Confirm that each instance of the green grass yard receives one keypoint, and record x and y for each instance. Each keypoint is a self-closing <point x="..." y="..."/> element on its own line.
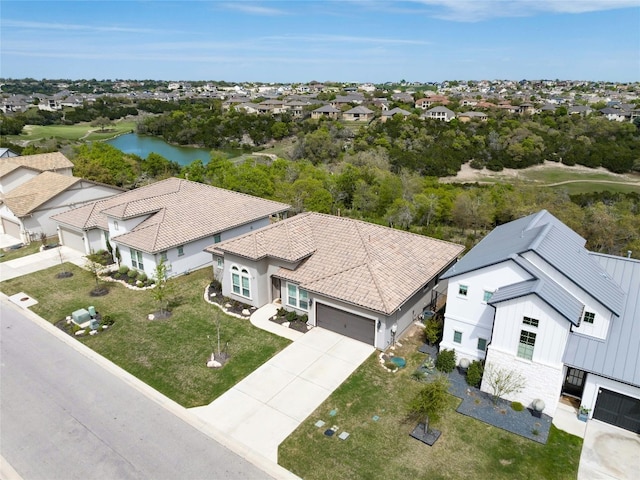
<point x="383" y="449"/>
<point x="169" y="355"/>
<point x="72" y="132"/>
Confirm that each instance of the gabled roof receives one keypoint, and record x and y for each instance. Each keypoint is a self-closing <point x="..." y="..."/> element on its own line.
<point x="372" y="266"/>
<point x="394" y="111"/>
<point x="619" y="356"/>
<point x="359" y="109"/>
<point x="327" y="109"/>
<point x="40" y="162"/>
<point x="178" y="212"/>
<point x="26" y="198"/>
<point x="553" y="241"/>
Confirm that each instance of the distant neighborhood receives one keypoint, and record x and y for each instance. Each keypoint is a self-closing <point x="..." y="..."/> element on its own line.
<point x="465" y="100"/>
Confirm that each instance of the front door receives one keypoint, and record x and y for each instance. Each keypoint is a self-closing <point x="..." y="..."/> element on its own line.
<point x="574" y="382"/>
<point x="275" y="289"/>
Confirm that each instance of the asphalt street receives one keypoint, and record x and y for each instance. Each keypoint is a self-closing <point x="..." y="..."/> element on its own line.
<point x="64" y="416"/>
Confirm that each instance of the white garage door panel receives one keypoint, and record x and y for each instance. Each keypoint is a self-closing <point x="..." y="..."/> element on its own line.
<point x="11" y="228"/>
<point x="72" y="239"/>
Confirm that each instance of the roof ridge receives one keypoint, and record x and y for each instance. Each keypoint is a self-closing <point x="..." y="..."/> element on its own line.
<point x="368" y="264"/>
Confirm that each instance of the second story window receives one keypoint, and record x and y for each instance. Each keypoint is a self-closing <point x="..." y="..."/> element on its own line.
<point x="588" y="317"/>
<point x="530" y="321"/>
<point x="463" y="290"/>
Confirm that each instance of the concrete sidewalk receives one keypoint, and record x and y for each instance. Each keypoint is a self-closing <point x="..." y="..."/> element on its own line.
<point x="40" y="261"/>
<point x="262" y="410"/>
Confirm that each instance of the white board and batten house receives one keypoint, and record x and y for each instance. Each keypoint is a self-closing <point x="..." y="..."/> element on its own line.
<point x="361" y="280"/>
<point x="172" y="220"/>
<point x="531" y="298"/>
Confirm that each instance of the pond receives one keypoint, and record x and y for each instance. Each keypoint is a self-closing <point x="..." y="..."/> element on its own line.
<point x="142" y="146"/>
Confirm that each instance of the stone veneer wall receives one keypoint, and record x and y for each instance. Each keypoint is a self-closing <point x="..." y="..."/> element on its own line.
<point x="541" y="381"/>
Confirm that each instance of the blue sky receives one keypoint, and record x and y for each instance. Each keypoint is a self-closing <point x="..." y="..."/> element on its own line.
<point x="304" y="40"/>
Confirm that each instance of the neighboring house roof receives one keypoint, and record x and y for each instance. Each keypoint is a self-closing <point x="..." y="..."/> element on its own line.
<point x="619" y="356"/>
<point x="394" y="111"/>
<point x="26" y="198"/>
<point x="327" y="109"/>
<point x="374" y="267"/>
<point x="556" y="243"/>
<point x="359" y="110"/>
<point x="41" y="162"/>
<point x="179" y="212"/>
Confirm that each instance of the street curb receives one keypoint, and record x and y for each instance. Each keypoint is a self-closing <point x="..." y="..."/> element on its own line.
<point x="268" y="466"/>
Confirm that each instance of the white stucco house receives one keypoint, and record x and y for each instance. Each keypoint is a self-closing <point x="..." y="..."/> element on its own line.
<point x="173" y="220"/>
<point x="27" y="209"/>
<point x="530" y="298"/>
<point x="361" y="280"/>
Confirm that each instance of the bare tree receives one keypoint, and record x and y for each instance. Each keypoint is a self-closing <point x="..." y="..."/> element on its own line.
<point x="502" y="381"/>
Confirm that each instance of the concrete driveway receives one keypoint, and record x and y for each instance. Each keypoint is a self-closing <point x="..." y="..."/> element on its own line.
<point x="609" y="453"/>
<point x="262" y="410"/>
<point x="39" y="261"/>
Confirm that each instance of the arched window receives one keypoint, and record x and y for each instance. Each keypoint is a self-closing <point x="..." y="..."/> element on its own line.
<point x="240" y="281"/>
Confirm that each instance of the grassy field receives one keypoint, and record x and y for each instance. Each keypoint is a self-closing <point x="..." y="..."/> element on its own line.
<point x="383" y="449"/>
<point x="169" y="355"/>
<point x="71" y="132"/>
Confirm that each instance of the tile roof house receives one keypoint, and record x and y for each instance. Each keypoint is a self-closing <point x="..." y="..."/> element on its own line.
<point x="326" y="111"/>
<point x="27" y="209"/>
<point x="173" y="220"/>
<point x="358" y="114"/>
<point x="387" y="114"/>
<point x="440" y="113"/>
<point x="530" y="298"/>
<point x="362" y="280"/>
<point x="15" y="170"/>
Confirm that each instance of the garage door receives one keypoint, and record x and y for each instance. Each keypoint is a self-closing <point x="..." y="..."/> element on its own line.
<point x="72" y="239"/>
<point x="345" y="323"/>
<point x="617" y="409"/>
<point x="11" y="228"/>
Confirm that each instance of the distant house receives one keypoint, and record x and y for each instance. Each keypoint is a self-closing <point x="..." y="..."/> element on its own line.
<point x="387" y="114"/>
<point x="579" y="110"/>
<point x="468" y="116"/>
<point x="428" y="102"/>
<point x="358" y="114"/>
<point x="530" y="298"/>
<point x="616" y="114"/>
<point x="348" y="276"/>
<point x="172" y="220"/>
<point x="326" y="111"/>
<point x="442" y="114"/>
<point x="350" y="99"/>
<point x="27" y="209"/>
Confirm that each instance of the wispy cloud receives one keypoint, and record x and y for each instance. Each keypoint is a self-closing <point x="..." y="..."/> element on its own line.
<point x="253" y="9"/>
<point x="478" y="10"/>
<point x="6" y="23"/>
<point x="314" y="38"/>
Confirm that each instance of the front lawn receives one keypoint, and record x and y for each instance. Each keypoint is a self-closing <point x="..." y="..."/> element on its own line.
<point x="170" y="355"/>
<point x="383" y="449"/>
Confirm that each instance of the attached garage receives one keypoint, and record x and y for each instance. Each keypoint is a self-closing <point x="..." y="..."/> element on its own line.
<point x="11" y="228"/>
<point x="618" y="409"/>
<point x="72" y="239"/>
<point x="346" y="323"/>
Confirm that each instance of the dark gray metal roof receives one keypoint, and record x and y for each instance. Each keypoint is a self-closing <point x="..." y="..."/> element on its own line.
<point x="546" y="289"/>
<point x="618" y="357"/>
<point x="553" y="241"/>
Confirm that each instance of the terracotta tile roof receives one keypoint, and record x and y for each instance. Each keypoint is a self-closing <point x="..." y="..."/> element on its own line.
<point x="369" y="265"/>
<point x="25" y="198"/>
<point x="41" y="162"/>
<point x="179" y="212"/>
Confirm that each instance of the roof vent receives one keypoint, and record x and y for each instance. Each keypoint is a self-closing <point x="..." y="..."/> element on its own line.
<point x="629" y="253"/>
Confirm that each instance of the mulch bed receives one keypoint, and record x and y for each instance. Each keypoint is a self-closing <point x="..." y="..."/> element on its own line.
<point x="297" y="325"/>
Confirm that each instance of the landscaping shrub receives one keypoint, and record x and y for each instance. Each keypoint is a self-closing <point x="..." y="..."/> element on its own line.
<point x="102" y="257"/>
<point x="474" y="373"/>
<point x="215" y="285"/>
<point x="433" y="330"/>
<point x="123" y="270"/>
<point x="292" y="316"/>
<point x="142" y="277"/>
<point x="446" y="361"/>
<point x="304" y="318"/>
<point x="108" y="320"/>
<point x="517" y="406"/>
<point x="132" y="274"/>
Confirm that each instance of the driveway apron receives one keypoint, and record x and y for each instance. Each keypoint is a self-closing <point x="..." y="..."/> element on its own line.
<point x="39" y="261"/>
<point x="262" y="410"/>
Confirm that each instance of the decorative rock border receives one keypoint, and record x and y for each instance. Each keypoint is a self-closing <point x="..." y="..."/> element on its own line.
<point x="221" y="307"/>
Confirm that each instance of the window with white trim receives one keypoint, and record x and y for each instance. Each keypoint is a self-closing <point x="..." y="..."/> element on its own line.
<point x="216" y="238"/>
<point x="463" y="290"/>
<point x="220" y="262"/>
<point x="115" y="225"/>
<point x="588" y="317"/>
<point x="241" y="281"/>
<point x="482" y="344"/>
<point x="530" y="321"/>
<point x="163" y="256"/>
<point x="297" y="297"/>
<point x="181" y="250"/>
<point x="487" y="296"/>
<point x="457" y="336"/>
<point x="136" y="259"/>
<point x="526" y="344"/>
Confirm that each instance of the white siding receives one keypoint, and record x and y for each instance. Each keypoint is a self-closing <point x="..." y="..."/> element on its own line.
<point x="601" y="325"/>
<point x="470" y="315"/>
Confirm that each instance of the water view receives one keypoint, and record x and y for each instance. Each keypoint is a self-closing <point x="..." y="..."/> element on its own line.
<point x="142" y="146"/>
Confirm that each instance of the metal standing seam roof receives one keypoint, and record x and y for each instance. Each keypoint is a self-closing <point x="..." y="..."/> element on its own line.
<point x="178" y="212"/>
<point x="553" y="241"/>
<point x="618" y="357"/>
<point x="372" y="266"/>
